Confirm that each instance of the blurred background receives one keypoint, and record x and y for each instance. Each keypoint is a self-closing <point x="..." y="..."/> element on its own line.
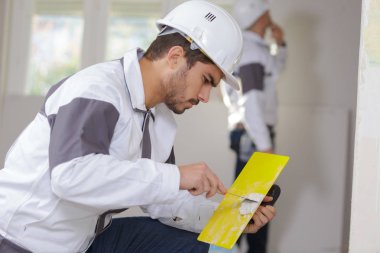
<point x="42" y="41"/>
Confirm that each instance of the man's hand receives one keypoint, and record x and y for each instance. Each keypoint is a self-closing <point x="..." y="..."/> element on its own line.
<point x="277" y="34"/>
<point x="262" y="216"/>
<point x="198" y="178"/>
<point x="269" y="151"/>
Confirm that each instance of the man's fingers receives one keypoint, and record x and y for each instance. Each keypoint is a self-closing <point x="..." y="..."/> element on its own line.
<point x="196" y="191"/>
<point x="221" y="188"/>
<point x="198" y="179"/>
<point x="269" y="211"/>
<point x="212" y="180"/>
<point x="255" y="226"/>
<point x="262" y="216"/>
<point x="207" y="186"/>
<point x="251" y="229"/>
<point x="215" y="182"/>
<point x="213" y="188"/>
<point x="268" y="199"/>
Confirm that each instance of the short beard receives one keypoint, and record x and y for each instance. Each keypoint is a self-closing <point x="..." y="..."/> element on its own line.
<point x="174" y="87"/>
<point x="175" y="110"/>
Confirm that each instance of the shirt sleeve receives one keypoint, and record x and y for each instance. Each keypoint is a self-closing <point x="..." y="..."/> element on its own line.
<point x="79" y="128"/>
<point x="187" y="212"/>
<point x="253" y="102"/>
<point x="280" y="59"/>
<point x="83" y="171"/>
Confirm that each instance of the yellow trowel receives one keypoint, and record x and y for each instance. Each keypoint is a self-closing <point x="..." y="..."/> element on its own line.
<point x="227" y="223"/>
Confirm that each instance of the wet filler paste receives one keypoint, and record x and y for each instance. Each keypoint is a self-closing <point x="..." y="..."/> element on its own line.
<point x="250" y="204"/>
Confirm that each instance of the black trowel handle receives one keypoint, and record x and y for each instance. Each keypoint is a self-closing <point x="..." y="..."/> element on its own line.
<point x="273" y="192"/>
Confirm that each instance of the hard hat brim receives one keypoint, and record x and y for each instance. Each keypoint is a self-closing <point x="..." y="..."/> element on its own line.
<point x="230" y="80"/>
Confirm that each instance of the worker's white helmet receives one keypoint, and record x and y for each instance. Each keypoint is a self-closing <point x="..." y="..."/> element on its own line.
<point x="246" y="12"/>
<point x="213" y="30"/>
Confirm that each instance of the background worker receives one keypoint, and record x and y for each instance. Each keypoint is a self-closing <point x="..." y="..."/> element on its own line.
<point x="253" y="111"/>
<point x="103" y="142"/>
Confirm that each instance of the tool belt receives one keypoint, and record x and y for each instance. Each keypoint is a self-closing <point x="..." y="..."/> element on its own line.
<point x="6" y="246"/>
<point x="235" y="136"/>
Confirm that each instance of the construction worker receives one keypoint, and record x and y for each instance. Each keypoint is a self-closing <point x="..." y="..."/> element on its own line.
<point x="253" y="110"/>
<point x="103" y="142"/>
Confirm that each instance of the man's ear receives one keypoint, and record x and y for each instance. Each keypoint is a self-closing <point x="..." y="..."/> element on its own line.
<point x="174" y="56"/>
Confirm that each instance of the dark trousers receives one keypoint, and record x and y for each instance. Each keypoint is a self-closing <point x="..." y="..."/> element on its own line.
<point x="145" y="235"/>
<point x="7" y="246"/>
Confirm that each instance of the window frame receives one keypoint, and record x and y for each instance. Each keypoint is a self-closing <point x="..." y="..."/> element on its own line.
<point x="15" y="26"/>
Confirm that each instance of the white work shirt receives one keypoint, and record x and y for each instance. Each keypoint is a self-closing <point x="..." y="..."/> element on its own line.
<point x="81" y="156"/>
<point x="256" y="105"/>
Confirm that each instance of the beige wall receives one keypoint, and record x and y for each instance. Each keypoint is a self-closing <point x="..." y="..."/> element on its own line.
<point x="317" y="96"/>
<point x="4" y="23"/>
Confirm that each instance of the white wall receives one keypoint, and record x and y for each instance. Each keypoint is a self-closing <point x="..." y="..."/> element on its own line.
<point x="322" y="72"/>
<point x="317" y="98"/>
<point x="311" y="209"/>
<point x="365" y="219"/>
<point x="18" y="112"/>
<point x="19" y="31"/>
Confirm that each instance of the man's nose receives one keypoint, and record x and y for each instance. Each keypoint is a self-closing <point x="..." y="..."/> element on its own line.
<point x="204" y="94"/>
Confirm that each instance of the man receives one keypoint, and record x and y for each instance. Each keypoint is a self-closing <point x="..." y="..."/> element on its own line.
<point x="103" y="142"/>
<point x="253" y="112"/>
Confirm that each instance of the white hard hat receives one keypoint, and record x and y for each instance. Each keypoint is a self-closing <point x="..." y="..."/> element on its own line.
<point x="246" y="12"/>
<point x="213" y="30"/>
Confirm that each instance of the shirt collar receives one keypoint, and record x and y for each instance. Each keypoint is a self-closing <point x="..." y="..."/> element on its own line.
<point x="133" y="77"/>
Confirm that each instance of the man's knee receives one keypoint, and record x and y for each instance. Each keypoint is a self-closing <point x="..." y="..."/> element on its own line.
<point x="147" y="235"/>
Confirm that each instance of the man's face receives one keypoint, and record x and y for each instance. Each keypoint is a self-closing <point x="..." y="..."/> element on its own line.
<point x="187" y="87"/>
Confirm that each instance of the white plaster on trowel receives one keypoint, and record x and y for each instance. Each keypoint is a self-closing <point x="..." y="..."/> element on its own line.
<point x="248" y="206"/>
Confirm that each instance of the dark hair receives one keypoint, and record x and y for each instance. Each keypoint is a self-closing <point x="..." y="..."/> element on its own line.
<point x="162" y="44"/>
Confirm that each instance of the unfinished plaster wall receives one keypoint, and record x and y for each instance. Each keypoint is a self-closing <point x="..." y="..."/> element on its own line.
<point x="365" y="219"/>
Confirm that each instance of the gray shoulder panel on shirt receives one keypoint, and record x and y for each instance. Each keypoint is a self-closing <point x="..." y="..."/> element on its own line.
<point x="82" y="127"/>
<point x="252" y="77"/>
<point x="50" y="92"/>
